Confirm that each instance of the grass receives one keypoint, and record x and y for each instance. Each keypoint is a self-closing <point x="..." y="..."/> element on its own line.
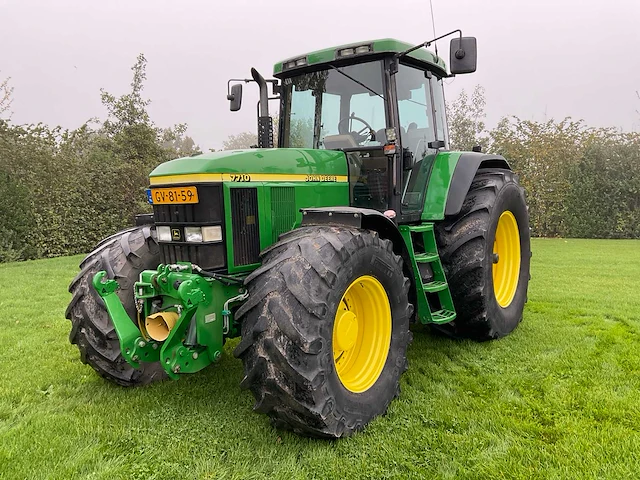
<point x="559" y="398"/>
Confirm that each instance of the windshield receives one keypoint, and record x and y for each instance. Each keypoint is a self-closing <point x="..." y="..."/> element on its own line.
<point x="335" y="108"/>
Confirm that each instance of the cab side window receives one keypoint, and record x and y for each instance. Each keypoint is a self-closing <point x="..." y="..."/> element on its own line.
<point x="415" y="111"/>
<point x="439" y="110"/>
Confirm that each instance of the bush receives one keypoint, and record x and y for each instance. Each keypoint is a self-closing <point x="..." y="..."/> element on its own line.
<point x="62" y="191"/>
<point x="603" y="200"/>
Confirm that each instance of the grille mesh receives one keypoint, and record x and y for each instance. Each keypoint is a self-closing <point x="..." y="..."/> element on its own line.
<point x="283" y="210"/>
<point x="244" y="219"/>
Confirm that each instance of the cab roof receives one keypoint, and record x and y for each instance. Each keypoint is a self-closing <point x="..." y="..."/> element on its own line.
<point x="385" y="45"/>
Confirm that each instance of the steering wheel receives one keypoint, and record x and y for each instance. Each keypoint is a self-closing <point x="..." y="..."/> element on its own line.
<point x="360" y="138"/>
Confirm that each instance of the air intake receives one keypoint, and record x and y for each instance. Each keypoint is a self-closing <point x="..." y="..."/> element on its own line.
<point x="244" y="223"/>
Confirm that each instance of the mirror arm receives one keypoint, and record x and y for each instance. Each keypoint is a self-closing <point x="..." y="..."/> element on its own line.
<point x="274" y="83"/>
<point x="245" y="80"/>
<point x="426" y="44"/>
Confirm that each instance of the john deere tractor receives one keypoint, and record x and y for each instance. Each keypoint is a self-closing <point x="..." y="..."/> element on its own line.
<point x="321" y="253"/>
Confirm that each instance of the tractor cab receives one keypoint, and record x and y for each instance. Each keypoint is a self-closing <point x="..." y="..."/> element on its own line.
<point x="381" y="103"/>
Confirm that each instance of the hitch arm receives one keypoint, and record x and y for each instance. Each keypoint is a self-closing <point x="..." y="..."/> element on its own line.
<point x="132" y="345"/>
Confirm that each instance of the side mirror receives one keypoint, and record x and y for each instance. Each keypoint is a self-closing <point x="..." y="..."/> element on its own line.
<point x="235" y="97"/>
<point x="463" y="55"/>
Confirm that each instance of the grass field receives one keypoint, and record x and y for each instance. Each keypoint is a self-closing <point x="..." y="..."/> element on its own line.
<point x="559" y="398"/>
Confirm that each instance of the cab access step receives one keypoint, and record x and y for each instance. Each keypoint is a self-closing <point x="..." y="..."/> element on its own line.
<point x="435" y="304"/>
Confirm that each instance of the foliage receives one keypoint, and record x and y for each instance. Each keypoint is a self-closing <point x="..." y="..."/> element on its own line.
<point x="6" y="92"/>
<point x="603" y="199"/>
<point x="556" y="399"/>
<point x="240" y="141"/>
<point x="466" y="120"/>
<point x="581" y="181"/>
<point x="541" y="153"/>
<point x="246" y="140"/>
<point x="68" y="189"/>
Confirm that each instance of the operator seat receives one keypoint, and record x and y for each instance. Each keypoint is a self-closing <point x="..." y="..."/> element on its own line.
<point x="337" y="142"/>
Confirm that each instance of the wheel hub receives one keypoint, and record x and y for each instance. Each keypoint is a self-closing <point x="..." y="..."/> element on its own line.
<point x="506" y="259"/>
<point x="346" y="330"/>
<point x="362" y="334"/>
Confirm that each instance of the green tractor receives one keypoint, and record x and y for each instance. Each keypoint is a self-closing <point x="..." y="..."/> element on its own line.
<point x="320" y="253"/>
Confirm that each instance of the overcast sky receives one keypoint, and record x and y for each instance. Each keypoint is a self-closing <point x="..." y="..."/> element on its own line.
<point x="537" y="59"/>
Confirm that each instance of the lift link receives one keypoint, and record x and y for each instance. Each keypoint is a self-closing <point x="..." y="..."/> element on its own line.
<point x="196" y="338"/>
<point x="133" y="346"/>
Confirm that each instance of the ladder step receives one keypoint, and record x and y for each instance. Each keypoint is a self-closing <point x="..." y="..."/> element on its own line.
<point x="427" y="227"/>
<point x="443" y="316"/>
<point x="426" y="257"/>
<point x="436" y="286"/>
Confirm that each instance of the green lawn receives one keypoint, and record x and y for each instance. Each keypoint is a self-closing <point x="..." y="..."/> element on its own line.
<point x="559" y="398"/>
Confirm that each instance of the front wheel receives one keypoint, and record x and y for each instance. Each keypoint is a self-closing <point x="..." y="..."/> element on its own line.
<point x="325" y="330"/>
<point x="123" y="256"/>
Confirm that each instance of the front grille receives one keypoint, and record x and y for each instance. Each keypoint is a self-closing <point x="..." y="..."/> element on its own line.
<point x="208" y="211"/>
<point x="244" y="220"/>
<point x="208" y="256"/>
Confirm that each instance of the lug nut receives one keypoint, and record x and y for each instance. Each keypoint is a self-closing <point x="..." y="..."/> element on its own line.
<point x="496" y="258"/>
<point x="142" y="344"/>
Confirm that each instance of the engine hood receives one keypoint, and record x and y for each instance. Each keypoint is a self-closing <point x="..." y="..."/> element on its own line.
<point x="254" y="165"/>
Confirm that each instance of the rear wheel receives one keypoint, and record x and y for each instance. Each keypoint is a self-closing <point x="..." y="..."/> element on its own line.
<point x="325" y="330"/>
<point x="123" y="256"/>
<point x="485" y="251"/>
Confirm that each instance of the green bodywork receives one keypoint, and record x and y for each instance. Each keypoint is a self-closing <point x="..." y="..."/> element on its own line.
<point x="438" y="183"/>
<point x="285" y="180"/>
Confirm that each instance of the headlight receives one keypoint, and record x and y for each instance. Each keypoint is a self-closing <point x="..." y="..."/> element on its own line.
<point x="212" y="234"/>
<point x="164" y="234"/>
<point x="193" y="234"/>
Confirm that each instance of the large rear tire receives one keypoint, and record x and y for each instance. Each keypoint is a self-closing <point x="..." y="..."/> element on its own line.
<point x="325" y="330"/>
<point x="485" y="251"/>
<point x="123" y="256"/>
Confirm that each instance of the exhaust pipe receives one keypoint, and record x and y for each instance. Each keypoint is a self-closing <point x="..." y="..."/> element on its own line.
<point x="264" y="94"/>
<point x="158" y="325"/>
<point x="265" y="123"/>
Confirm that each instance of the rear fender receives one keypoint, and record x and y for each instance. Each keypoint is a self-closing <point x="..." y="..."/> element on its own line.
<point x="463" y="174"/>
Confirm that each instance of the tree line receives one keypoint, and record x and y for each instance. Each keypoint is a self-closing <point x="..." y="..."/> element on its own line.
<point x="581" y="181"/>
<point x="62" y="191"/>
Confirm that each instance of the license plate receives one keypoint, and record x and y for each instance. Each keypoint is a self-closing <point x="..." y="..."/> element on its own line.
<point x="161" y="196"/>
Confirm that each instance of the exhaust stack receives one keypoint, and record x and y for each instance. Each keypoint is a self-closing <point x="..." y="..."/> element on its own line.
<point x="265" y="123"/>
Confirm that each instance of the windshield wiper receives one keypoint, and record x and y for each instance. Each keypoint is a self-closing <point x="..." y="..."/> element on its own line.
<point x="357" y="81"/>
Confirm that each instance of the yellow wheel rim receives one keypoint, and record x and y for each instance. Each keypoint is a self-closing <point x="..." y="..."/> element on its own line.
<point x="506" y="259"/>
<point x="362" y="334"/>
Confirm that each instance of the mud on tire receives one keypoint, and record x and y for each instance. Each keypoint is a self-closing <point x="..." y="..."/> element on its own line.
<point x="123" y="256"/>
<point x="287" y="325"/>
